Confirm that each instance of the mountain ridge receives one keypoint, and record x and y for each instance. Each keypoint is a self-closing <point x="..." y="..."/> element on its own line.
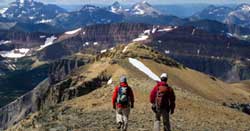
<point x="112" y="64"/>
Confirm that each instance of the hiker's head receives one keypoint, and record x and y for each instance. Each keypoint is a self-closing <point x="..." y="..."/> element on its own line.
<point x="123" y="79"/>
<point x="164" y="77"/>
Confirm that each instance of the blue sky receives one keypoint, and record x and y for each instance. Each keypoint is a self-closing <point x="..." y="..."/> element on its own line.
<point x="5" y="2"/>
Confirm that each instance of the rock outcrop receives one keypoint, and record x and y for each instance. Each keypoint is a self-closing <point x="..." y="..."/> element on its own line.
<point x="222" y="68"/>
<point x="20" y="108"/>
<point x="22" y="39"/>
<point x="45" y="94"/>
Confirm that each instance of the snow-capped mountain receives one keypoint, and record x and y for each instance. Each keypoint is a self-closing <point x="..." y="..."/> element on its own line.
<point x="240" y="16"/>
<point x="116" y="8"/>
<point x="144" y="9"/>
<point x="87" y="15"/>
<point x="214" y="13"/>
<point x="31" y="11"/>
<point x="3" y="10"/>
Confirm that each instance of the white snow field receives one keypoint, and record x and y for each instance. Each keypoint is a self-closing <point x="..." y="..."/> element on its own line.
<point x="139" y="65"/>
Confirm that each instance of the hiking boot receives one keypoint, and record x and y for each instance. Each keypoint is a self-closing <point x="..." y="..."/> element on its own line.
<point x="119" y="125"/>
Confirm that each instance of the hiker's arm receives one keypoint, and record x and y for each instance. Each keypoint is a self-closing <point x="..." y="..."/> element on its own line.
<point x="132" y="98"/>
<point x="153" y="95"/>
<point x="172" y="101"/>
<point x="114" y="97"/>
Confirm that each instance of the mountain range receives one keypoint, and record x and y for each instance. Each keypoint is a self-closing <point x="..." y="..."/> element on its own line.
<point x="24" y="51"/>
<point x="29" y="11"/>
<point x="58" y="67"/>
<point x="239" y="15"/>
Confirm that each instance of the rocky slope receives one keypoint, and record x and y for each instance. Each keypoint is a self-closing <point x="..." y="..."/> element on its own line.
<point x="226" y="69"/>
<point x="92" y="39"/>
<point x="35" y="99"/>
<point x="195" y="47"/>
<point x="204" y="51"/>
<point x="21" y="39"/>
<point x="199" y="97"/>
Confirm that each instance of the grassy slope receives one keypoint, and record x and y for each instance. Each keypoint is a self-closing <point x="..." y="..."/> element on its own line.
<point x="245" y="85"/>
<point x="198" y="102"/>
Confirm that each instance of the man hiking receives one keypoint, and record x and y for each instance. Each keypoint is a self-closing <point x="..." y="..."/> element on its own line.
<point x="123" y="101"/>
<point x="162" y="98"/>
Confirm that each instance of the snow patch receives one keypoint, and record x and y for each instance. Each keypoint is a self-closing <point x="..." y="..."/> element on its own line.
<point x="44" y="21"/>
<point x="24" y="12"/>
<point x="116" y="10"/>
<point x="110" y="81"/>
<point x="167" y="51"/>
<point x="49" y="41"/>
<point x="12" y="66"/>
<point x="139" y="65"/>
<point x="103" y="51"/>
<point x="229" y="34"/>
<point x="193" y="32"/>
<point x="125" y="49"/>
<point x="198" y="52"/>
<point x="2" y="42"/>
<point x="42" y="36"/>
<point x="73" y="31"/>
<point x="86" y="43"/>
<point x="2" y="11"/>
<point x="16" y="53"/>
<point x="31" y="17"/>
<point x="112" y="48"/>
<point x="154" y="30"/>
<point x="167" y="29"/>
<point x="21" y="1"/>
<point x="95" y="43"/>
<point x="147" y="32"/>
<point x="139" y="11"/>
<point x="141" y="38"/>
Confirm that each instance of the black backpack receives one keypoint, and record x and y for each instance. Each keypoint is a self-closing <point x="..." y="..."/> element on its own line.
<point x="123" y="96"/>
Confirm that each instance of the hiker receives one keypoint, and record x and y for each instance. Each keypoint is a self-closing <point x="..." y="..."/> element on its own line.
<point x="123" y="101"/>
<point x="162" y="98"/>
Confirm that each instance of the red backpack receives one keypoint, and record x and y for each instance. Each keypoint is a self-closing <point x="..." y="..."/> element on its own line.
<point x="161" y="96"/>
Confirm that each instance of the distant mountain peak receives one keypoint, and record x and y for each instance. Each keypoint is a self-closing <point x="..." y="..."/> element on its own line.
<point x="144" y="8"/>
<point x="144" y="3"/>
<point x="116" y="7"/>
<point x="89" y="8"/>
<point x="244" y="7"/>
<point x="30" y="11"/>
<point x="24" y="1"/>
<point x="116" y="3"/>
